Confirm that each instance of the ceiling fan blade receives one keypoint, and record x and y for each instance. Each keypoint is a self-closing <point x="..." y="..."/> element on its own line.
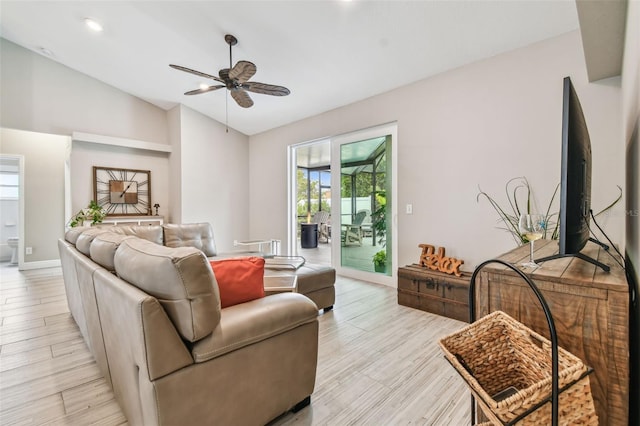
<point x="242" y="71"/>
<point x="265" y="89"/>
<point x="242" y="98"/>
<point x="198" y="73"/>
<point x="205" y="90"/>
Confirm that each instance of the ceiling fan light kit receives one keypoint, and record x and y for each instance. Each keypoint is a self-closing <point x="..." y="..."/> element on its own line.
<point x="235" y="79"/>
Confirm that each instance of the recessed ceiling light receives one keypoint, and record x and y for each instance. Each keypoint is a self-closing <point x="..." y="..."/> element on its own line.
<point x="93" y="24"/>
<point x="204" y="86"/>
<point x="44" y="51"/>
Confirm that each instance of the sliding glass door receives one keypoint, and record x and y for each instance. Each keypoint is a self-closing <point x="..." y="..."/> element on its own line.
<point x="363" y="204"/>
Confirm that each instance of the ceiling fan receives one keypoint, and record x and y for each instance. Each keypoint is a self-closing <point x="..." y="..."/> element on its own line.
<point x="236" y="80"/>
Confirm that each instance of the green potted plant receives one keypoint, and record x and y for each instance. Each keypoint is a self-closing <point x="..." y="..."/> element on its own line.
<point x="519" y="200"/>
<point x="92" y="212"/>
<point x="379" y="224"/>
<point x="378" y="218"/>
<point x="380" y="261"/>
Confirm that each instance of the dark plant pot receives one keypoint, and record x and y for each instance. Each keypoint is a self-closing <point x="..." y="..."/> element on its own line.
<point x="380" y="268"/>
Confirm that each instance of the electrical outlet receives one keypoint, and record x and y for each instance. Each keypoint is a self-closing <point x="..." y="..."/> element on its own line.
<point x="409" y="208"/>
<point x="28" y="250"/>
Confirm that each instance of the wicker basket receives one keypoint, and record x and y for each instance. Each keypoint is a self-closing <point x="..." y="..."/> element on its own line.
<point x="508" y="368"/>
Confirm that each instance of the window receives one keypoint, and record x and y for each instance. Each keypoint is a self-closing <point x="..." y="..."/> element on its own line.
<point x="9" y="188"/>
<point x="314" y="191"/>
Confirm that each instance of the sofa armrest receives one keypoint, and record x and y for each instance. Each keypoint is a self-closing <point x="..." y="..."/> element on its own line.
<point x="251" y="322"/>
<point x="137" y="331"/>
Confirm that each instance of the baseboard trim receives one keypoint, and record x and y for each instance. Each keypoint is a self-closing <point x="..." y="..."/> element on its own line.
<point x="40" y="265"/>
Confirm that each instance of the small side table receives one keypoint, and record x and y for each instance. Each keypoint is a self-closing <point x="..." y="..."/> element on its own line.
<point x="274" y="246"/>
<point x="280" y="284"/>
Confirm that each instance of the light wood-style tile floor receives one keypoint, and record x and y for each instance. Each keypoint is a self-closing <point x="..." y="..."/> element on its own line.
<point x="378" y="363"/>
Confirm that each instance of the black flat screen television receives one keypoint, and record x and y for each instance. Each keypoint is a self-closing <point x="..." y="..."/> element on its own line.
<point x="575" y="180"/>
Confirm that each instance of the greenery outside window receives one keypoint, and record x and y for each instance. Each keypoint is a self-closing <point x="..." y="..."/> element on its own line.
<point x="314" y="192"/>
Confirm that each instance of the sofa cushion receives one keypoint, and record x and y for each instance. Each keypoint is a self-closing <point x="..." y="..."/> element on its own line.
<point x="72" y="234"/>
<point x="83" y="243"/>
<point x="315" y="277"/>
<point x="252" y="322"/>
<point x="151" y="233"/>
<point x="198" y="235"/>
<point x="239" y="280"/>
<point x="103" y="249"/>
<point x="180" y="278"/>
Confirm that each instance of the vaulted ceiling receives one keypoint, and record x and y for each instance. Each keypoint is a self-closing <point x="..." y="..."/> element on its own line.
<point x="328" y="53"/>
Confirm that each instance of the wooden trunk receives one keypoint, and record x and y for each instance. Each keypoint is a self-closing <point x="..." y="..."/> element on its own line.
<point x="434" y="292"/>
<point x="590" y="308"/>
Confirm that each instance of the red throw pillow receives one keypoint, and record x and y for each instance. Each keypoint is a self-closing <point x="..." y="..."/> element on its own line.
<point x="239" y="279"/>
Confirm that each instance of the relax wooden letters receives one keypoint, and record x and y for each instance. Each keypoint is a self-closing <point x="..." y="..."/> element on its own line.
<point x="438" y="261"/>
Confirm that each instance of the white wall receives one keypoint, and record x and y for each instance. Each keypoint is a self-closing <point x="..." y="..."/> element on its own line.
<point x="215" y="178"/>
<point x="175" y="161"/>
<point x="41" y="95"/>
<point x="85" y="155"/>
<point x="205" y="178"/>
<point x="481" y="124"/>
<point x="44" y="209"/>
<point x="472" y="126"/>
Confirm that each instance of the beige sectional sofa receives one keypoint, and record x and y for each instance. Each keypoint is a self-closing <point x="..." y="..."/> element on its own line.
<point x="151" y="316"/>
<point x="314" y="281"/>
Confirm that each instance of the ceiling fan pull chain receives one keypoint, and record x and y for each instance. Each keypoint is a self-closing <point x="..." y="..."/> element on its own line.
<point x="226" y="111"/>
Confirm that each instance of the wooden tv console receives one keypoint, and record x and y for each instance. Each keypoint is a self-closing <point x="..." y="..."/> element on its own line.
<point x="590" y="308"/>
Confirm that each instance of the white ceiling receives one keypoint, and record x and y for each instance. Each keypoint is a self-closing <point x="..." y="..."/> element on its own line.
<point x="328" y="53"/>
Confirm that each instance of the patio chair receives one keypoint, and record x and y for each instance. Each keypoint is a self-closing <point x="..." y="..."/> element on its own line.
<point x="352" y="233"/>
<point x="322" y="218"/>
<point x="367" y="224"/>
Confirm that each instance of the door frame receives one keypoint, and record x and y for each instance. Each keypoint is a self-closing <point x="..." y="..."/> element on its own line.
<point x="20" y="160"/>
<point x="292" y="188"/>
